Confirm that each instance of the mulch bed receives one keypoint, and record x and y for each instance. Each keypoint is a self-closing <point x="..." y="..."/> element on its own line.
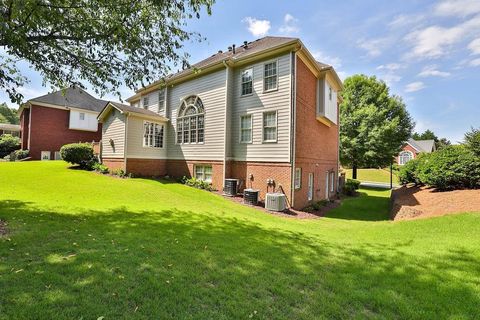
<point x="413" y="202"/>
<point x="289" y="213"/>
<point x="3" y="228"/>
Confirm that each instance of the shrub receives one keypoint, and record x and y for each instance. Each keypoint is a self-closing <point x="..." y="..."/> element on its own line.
<point x="119" y="172"/>
<point x="101" y="168"/>
<point x="453" y="167"/>
<point x="196" y="183"/>
<point x="409" y="172"/>
<point x="472" y="141"/>
<point x="18" y="155"/>
<point x="350" y="187"/>
<point x="78" y="153"/>
<point x="8" y="144"/>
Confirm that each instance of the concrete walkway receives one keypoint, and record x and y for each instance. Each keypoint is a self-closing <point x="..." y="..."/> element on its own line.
<point x="381" y="185"/>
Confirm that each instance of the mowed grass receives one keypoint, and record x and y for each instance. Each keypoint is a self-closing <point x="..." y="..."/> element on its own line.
<point x="84" y="246"/>
<point x="373" y="175"/>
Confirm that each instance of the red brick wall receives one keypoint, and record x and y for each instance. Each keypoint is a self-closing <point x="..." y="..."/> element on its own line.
<point x="114" y="163"/>
<point x="147" y="167"/>
<point x="24" y="121"/>
<point x="180" y="168"/>
<point x="49" y="131"/>
<point x="316" y="145"/>
<point x="261" y="171"/>
<point x="407" y="147"/>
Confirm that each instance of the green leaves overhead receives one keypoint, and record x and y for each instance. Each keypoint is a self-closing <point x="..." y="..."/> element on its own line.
<point x="107" y="43"/>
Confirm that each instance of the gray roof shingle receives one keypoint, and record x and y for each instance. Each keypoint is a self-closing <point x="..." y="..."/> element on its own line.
<point x="422" y="145"/>
<point x="126" y="108"/>
<point x="73" y="97"/>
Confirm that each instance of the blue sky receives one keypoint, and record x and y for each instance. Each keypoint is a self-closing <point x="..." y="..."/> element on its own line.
<point x="427" y="51"/>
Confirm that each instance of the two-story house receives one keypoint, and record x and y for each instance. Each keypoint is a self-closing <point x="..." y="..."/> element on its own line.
<point x="262" y="111"/>
<point x="50" y="121"/>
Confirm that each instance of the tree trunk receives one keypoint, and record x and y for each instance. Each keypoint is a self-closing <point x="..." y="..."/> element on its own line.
<point x="354" y="171"/>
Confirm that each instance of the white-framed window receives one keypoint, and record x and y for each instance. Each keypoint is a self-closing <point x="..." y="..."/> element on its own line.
<point x="298" y="178"/>
<point x="191" y="121"/>
<point x="57" y="155"/>
<point x="404" y="157"/>
<point x="203" y="172"/>
<point x="161" y="100"/>
<point x="270" y="126"/>
<point x="246" y="128"/>
<point x="45" y="155"/>
<point x="247" y="81"/>
<point x="330" y="93"/>
<point x="152" y="135"/>
<point x="332" y="180"/>
<point x="81" y="116"/>
<point x="145" y="102"/>
<point x="270" y="76"/>
<point x="310" y="187"/>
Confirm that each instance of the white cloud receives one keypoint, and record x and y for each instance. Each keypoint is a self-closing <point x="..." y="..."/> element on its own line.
<point x="457" y="8"/>
<point x="414" y="86"/>
<point x="475" y="63"/>
<point x="436" y="41"/>
<point x="374" y="47"/>
<point x="258" y="28"/>
<point x="290" y="25"/>
<point x="31" y="92"/>
<point x="390" y="66"/>
<point x="432" y="71"/>
<point x="474" y="46"/>
<point x="391" y="78"/>
<point x="405" y="20"/>
<point x="336" y="62"/>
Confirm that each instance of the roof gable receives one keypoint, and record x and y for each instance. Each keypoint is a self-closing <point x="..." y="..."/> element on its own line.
<point x="73" y="97"/>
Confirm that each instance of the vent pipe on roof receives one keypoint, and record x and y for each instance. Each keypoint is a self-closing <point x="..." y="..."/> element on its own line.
<point x="229" y="49"/>
<point x="245" y="44"/>
<point x="233" y="48"/>
<point x="220" y="51"/>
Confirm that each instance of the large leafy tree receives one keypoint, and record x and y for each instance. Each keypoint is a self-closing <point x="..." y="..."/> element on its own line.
<point x="430" y="135"/>
<point x="373" y="123"/>
<point x="9" y="115"/>
<point x="107" y="43"/>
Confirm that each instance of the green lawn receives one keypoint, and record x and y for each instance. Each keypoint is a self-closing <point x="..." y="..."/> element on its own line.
<point x="84" y="246"/>
<point x="373" y="175"/>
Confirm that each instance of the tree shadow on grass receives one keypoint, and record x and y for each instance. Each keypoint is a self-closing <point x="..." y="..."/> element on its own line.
<point x="122" y="264"/>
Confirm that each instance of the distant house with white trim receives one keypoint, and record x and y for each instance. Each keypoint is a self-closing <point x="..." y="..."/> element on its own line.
<point x="412" y="148"/>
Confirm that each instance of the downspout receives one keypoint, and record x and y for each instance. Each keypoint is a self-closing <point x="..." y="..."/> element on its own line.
<point x="226" y="134"/>
<point x="29" y="125"/>
<point x="125" y="143"/>
<point x="294" y="123"/>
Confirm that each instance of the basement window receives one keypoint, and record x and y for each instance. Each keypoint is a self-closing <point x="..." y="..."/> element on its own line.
<point x="203" y="173"/>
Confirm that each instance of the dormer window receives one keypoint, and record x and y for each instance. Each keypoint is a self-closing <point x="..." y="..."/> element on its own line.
<point x="145" y="102"/>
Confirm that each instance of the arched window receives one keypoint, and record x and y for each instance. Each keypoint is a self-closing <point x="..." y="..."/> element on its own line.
<point x="190" y="121"/>
<point x="404" y="157"/>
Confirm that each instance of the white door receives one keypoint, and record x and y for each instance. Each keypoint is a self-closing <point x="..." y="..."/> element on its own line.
<point x="45" y="155"/>
<point x="310" y="186"/>
<point x="327" y="186"/>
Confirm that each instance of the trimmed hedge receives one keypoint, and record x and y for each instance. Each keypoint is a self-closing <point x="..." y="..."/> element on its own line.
<point x="453" y="167"/>
<point x="18" y="155"/>
<point x="78" y="153"/>
<point x="8" y="144"/>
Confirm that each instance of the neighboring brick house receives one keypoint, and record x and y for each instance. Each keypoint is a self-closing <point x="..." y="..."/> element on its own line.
<point x="53" y="120"/>
<point x="265" y="110"/>
<point x="7" y="128"/>
<point x="412" y="148"/>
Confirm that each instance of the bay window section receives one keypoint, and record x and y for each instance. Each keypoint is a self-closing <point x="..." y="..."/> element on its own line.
<point x="153" y="135"/>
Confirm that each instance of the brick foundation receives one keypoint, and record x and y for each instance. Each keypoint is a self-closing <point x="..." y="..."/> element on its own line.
<point x="114" y="163"/>
<point x="180" y="168"/>
<point x="261" y="171"/>
<point x="147" y="167"/>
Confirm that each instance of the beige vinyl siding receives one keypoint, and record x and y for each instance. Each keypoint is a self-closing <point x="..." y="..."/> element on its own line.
<point x="113" y="128"/>
<point x="152" y="102"/>
<point x="211" y="90"/>
<point x="256" y="104"/>
<point x="135" y="148"/>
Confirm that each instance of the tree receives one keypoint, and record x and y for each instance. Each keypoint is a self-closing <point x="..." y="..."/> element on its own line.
<point x="8" y="114"/>
<point x="374" y="124"/>
<point x="472" y="141"/>
<point x="430" y="135"/>
<point x="108" y="43"/>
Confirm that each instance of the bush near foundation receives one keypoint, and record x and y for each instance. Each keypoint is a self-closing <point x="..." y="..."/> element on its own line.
<point x="79" y="153"/>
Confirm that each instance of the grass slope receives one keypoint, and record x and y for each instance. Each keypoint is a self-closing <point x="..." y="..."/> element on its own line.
<point x="82" y="245"/>
<point x="373" y="175"/>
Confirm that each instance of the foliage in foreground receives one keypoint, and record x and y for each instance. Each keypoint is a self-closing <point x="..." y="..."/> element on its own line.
<point x="350" y="187"/>
<point x="17" y="155"/>
<point x="196" y="183"/>
<point x="8" y="115"/>
<point x="79" y="153"/>
<point x="8" y="144"/>
<point x="105" y="43"/>
<point x="452" y="167"/>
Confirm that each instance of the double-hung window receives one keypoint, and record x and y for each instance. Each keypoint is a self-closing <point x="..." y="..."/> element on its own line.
<point x="270" y="76"/>
<point x="153" y="135"/>
<point x="246" y="128"/>
<point x="191" y="121"/>
<point x="203" y="172"/>
<point x="82" y="116"/>
<point x="247" y="82"/>
<point x="145" y="102"/>
<point x="270" y="126"/>
<point x="161" y="100"/>
<point x="298" y="178"/>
